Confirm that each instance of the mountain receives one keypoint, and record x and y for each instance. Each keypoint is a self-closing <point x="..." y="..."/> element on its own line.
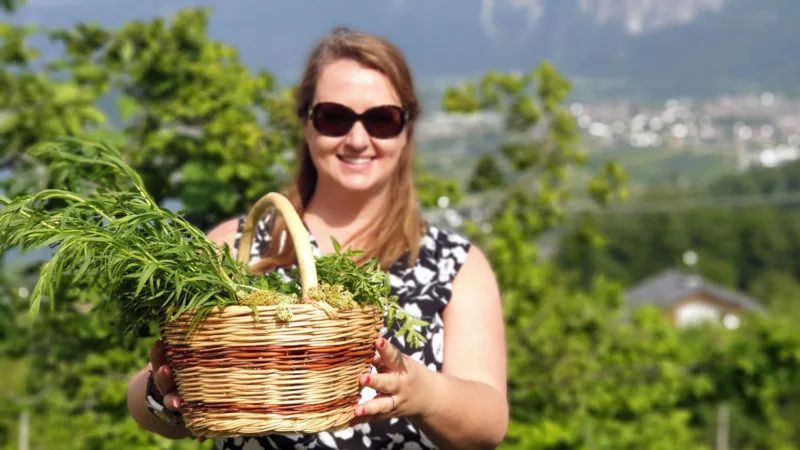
<point x="663" y="47"/>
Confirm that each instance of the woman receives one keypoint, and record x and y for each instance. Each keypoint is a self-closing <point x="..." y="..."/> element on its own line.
<point x="354" y="183"/>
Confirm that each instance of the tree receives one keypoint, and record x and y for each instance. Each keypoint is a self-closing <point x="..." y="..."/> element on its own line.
<point x="584" y="370"/>
<point x="11" y="5"/>
<point x="580" y="374"/>
<point x="199" y="125"/>
<point x="486" y="176"/>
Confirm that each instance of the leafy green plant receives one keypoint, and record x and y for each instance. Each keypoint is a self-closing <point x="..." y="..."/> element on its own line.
<point x="157" y="265"/>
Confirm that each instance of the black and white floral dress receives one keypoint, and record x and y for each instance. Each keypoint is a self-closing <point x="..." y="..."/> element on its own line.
<point x="423" y="289"/>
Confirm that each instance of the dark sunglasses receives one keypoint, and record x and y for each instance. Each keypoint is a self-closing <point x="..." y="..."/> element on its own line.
<point x="335" y="120"/>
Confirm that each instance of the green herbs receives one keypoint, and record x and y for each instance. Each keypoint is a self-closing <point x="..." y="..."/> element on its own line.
<point x="156" y="265"/>
<point x="369" y="285"/>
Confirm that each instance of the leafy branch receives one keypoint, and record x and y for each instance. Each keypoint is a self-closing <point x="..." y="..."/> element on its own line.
<point x="155" y="264"/>
<point x="151" y="259"/>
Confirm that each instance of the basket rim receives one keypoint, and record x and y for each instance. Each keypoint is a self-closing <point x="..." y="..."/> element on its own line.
<point x="296" y="307"/>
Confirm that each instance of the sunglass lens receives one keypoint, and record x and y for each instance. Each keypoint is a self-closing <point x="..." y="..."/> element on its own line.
<point x="332" y="119"/>
<point x="384" y="122"/>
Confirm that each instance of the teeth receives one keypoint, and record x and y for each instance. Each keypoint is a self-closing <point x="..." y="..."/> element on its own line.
<point x="356" y="160"/>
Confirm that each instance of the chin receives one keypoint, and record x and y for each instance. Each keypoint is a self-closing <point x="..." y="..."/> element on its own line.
<point x="361" y="186"/>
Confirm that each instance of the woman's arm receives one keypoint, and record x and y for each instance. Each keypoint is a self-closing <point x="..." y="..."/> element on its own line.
<point x="464" y="406"/>
<point x="470" y="407"/>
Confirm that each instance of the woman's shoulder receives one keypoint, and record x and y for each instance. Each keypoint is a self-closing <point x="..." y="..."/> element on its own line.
<point x="225" y="232"/>
<point x="230" y="232"/>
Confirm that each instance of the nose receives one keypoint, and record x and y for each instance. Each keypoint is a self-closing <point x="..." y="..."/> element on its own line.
<point x="358" y="138"/>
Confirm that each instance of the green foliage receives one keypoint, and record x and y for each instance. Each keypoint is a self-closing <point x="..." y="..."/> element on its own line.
<point x="736" y="246"/>
<point x="36" y="105"/>
<point x="369" y="284"/>
<point x="11" y="5"/>
<point x="487" y="175"/>
<point x="581" y="373"/>
<point x="76" y="370"/>
<point x="584" y="376"/>
<point x="584" y="370"/>
<point x="781" y="179"/>
<point x="539" y="147"/>
<point x="431" y="187"/>
<point x="154" y="265"/>
<point x="151" y="261"/>
<point x="195" y="122"/>
<point x="752" y="372"/>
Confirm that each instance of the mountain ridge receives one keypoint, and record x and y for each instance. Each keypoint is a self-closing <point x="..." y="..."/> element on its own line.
<point x="674" y="48"/>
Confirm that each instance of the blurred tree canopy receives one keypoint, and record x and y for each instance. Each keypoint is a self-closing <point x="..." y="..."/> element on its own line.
<point x="211" y="135"/>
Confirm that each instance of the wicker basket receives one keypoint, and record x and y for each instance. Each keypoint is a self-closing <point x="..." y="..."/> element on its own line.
<point x="239" y="375"/>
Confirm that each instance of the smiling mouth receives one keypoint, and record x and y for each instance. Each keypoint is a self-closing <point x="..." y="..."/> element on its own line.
<point x="354" y="161"/>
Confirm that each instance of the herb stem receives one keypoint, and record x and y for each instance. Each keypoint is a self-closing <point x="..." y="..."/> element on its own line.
<point x="55" y="193"/>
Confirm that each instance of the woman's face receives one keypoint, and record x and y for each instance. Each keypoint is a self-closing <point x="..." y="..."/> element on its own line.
<point x="361" y="158"/>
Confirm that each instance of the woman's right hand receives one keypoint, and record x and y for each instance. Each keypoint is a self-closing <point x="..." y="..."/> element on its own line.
<point x="163" y="377"/>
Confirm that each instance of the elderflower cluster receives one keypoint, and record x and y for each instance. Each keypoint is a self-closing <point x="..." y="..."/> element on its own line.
<point x="334" y="295"/>
<point x="263" y="297"/>
<point x="284" y="312"/>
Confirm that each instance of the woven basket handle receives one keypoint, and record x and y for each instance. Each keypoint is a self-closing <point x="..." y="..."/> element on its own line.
<point x="297" y="230"/>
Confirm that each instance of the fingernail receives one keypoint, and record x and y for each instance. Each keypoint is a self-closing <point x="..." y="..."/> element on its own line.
<point x="164" y="370"/>
<point x="366" y="379"/>
<point x="175" y="403"/>
<point x="360" y="411"/>
<point x="381" y="342"/>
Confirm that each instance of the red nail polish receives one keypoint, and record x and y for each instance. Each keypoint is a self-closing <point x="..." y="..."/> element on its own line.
<point x="367" y="379"/>
<point x="381" y="342"/>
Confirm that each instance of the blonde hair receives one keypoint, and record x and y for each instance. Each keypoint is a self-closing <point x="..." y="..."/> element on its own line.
<point x="388" y="239"/>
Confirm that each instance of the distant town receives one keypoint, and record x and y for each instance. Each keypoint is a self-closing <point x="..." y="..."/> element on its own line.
<point x="762" y="129"/>
<point x="746" y="131"/>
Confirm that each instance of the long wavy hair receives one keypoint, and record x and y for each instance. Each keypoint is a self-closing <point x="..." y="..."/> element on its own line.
<point x="398" y="231"/>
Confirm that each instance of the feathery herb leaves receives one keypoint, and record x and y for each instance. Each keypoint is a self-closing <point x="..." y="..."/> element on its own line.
<point x="156" y="264"/>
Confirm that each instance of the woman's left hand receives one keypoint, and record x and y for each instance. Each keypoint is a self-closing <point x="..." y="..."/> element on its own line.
<point x="404" y="386"/>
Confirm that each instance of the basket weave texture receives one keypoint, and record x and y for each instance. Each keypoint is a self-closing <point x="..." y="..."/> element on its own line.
<point x="242" y="375"/>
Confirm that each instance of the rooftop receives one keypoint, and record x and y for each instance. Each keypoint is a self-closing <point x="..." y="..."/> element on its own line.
<point x="671" y="286"/>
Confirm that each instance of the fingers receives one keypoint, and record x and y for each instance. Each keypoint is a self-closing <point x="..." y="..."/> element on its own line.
<point x="379" y="408"/>
<point x="391" y="357"/>
<point x="172" y="401"/>
<point x="158" y="355"/>
<point x="395" y="382"/>
<point x="163" y="377"/>
<point x="383" y="383"/>
<point x="164" y="380"/>
<point x="377" y="362"/>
